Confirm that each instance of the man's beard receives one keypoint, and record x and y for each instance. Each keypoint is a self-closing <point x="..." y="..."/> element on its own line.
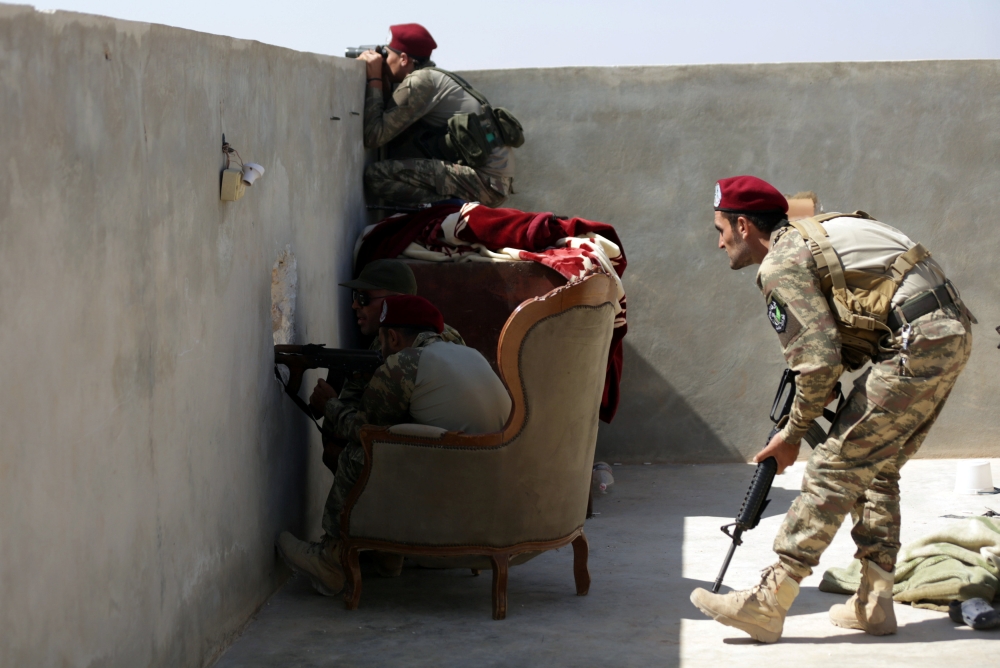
<point x="740" y="258"/>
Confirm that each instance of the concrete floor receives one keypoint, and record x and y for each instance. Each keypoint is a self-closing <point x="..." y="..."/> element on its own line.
<point x="657" y="537"/>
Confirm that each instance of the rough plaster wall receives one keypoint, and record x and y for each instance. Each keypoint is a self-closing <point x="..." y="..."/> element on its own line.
<point x="147" y="457"/>
<point x="284" y="287"/>
<point x="915" y="144"/>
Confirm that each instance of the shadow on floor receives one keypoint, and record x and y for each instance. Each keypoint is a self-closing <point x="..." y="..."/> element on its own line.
<point x="443" y="617"/>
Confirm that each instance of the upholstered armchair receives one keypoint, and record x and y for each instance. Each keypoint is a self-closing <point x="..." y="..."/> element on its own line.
<point x="490" y="500"/>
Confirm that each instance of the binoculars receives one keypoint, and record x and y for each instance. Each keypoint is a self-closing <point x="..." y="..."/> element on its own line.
<point x="355" y="51"/>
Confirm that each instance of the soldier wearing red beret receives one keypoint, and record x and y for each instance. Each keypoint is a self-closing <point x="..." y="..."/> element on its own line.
<point x="424" y="380"/>
<point x="442" y="138"/>
<point x="841" y="291"/>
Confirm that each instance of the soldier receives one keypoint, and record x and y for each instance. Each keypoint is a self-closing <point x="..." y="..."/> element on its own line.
<point x="424" y="380"/>
<point x="428" y="161"/>
<point x="378" y="280"/>
<point x="842" y="290"/>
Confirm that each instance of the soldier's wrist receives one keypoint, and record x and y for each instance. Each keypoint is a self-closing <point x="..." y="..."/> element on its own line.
<point x="331" y="409"/>
<point x="791" y="434"/>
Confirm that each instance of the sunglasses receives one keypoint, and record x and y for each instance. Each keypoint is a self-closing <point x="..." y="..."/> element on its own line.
<point x="362" y="299"/>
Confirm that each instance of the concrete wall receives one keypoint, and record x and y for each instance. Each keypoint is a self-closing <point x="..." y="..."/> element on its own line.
<point x="914" y="144"/>
<point x="147" y="457"/>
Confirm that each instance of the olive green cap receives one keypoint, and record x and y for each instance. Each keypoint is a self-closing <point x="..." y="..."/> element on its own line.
<point x="391" y="275"/>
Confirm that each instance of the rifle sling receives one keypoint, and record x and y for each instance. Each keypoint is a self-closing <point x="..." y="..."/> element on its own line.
<point x="297" y="399"/>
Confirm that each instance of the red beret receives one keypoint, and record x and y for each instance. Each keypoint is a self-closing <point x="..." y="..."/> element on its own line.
<point x="410" y="311"/>
<point x="748" y="194"/>
<point x="412" y="39"/>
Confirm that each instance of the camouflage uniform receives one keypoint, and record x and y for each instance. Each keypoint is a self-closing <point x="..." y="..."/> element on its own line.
<point x="354" y="388"/>
<point x="385" y="401"/>
<point x="422" y="181"/>
<point x="412" y="178"/>
<point x="887" y="416"/>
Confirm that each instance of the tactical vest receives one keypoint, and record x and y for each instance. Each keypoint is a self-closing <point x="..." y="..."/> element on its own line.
<point x="467" y="139"/>
<point x="860" y="300"/>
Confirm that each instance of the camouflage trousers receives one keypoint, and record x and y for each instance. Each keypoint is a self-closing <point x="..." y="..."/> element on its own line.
<point x="885" y="421"/>
<point x="421" y="181"/>
<point x="349" y="466"/>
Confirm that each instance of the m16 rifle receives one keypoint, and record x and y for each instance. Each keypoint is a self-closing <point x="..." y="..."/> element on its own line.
<point x="756" y="501"/>
<point x="341" y="364"/>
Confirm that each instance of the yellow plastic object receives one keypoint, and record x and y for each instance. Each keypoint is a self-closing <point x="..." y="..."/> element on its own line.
<point x="232" y="185"/>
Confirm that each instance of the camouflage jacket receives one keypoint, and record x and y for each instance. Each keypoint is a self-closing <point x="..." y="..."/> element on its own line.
<point x="353" y="390"/>
<point x="433" y="97"/>
<point x="416" y="98"/>
<point x="386" y="399"/>
<point x="800" y="314"/>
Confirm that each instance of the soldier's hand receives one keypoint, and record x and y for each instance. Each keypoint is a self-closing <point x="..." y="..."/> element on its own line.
<point x="321" y="394"/>
<point x="374" y="63"/>
<point x="784" y="452"/>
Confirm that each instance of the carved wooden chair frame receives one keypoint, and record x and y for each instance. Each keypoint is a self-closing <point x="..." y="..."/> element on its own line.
<point x="594" y="290"/>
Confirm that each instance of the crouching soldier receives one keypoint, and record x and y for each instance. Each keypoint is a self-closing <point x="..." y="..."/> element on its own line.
<point x="443" y="138"/>
<point x="424" y="380"/>
<point x="842" y="290"/>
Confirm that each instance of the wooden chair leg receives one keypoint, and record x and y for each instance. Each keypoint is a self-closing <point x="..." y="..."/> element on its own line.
<point x="353" y="572"/>
<point x="501" y="562"/>
<point x="581" y="550"/>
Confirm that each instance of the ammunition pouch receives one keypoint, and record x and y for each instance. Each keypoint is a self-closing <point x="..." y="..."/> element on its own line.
<point x="472" y="137"/>
<point x="510" y="127"/>
<point x="464" y="140"/>
<point x="469" y="139"/>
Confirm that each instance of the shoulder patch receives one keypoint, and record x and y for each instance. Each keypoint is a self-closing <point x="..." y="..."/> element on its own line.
<point x="783" y="320"/>
<point x="778" y="315"/>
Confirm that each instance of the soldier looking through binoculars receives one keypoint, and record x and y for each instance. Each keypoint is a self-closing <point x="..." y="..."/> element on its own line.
<point x="443" y="139"/>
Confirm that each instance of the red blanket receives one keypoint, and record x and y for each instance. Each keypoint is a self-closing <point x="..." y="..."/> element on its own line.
<point x="572" y="246"/>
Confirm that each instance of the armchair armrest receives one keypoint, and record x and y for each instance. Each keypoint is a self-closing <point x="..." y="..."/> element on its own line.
<point x="417" y="430"/>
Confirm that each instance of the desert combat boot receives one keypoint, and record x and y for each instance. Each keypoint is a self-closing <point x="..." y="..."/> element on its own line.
<point x="870" y="610"/>
<point x="759" y="611"/>
<point x="320" y="561"/>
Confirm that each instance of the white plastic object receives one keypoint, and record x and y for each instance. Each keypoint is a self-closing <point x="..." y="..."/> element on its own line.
<point x="251" y="172"/>
<point x="601" y="479"/>
<point x="973" y="476"/>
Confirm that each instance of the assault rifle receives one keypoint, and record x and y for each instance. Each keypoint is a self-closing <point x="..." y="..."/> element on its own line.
<point x="341" y="364"/>
<point x="756" y="501"/>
